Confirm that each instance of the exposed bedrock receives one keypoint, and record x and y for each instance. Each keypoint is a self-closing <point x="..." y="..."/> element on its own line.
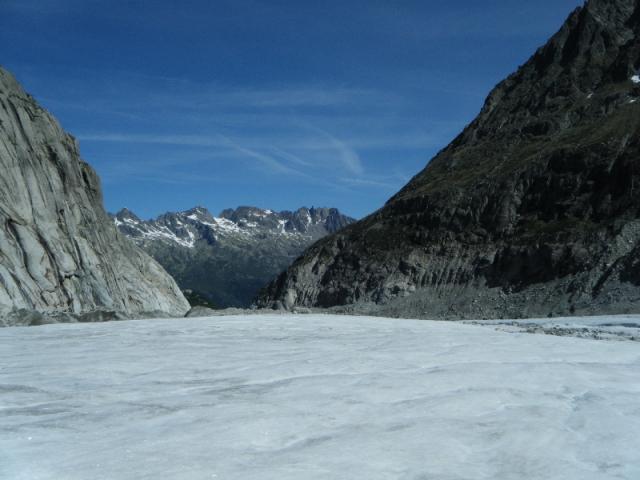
<point x="532" y="208"/>
<point x="59" y="251"/>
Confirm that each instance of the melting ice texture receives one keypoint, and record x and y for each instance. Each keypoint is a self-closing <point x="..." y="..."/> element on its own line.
<point x="314" y="397"/>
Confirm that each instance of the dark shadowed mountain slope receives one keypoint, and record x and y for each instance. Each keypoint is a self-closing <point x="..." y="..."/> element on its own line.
<point x="533" y="209"/>
<point x="229" y="258"/>
<point x="59" y="251"/>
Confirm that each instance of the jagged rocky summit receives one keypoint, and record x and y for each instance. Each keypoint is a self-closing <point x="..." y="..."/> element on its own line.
<point x="228" y="258"/>
<point x="532" y="210"/>
<point x="60" y="254"/>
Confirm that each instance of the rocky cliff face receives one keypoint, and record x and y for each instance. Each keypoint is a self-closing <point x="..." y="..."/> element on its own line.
<point x="229" y="258"/>
<point x="532" y="210"/>
<point x="59" y="251"/>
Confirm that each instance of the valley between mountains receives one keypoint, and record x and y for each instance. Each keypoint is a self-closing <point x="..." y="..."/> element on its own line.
<point x="227" y="259"/>
<point x="531" y="211"/>
<point x="344" y="361"/>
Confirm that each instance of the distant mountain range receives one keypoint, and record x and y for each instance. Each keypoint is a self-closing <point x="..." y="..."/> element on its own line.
<point x="227" y="259"/>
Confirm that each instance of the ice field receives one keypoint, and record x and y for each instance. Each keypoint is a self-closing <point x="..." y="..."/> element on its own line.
<point x="315" y="397"/>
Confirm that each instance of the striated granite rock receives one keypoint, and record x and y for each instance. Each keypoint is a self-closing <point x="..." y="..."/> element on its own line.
<point x="59" y="251"/>
<point x="227" y="259"/>
<point x="532" y="210"/>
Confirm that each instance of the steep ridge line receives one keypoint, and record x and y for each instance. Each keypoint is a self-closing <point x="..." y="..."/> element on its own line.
<point x="59" y="252"/>
<point x="531" y="210"/>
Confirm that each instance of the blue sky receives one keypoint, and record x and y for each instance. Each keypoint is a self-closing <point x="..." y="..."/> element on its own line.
<point x="278" y="103"/>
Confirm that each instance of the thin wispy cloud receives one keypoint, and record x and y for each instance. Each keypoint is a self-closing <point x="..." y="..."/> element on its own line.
<point x="347" y="155"/>
<point x="306" y="152"/>
<point x="268" y="161"/>
<point x="288" y="144"/>
<point x="186" y="140"/>
<point x="289" y="139"/>
<point x="301" y="102"/>
<point x="359" y="182"/>
<point x="152" y="92"/>
<point x="291" y="157"/>
<point x="208" y="141"/>
<point x="168" y="178"/>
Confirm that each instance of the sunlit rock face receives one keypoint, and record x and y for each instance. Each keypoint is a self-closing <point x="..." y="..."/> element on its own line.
<point x="532" y="210"/>
<point x="59" y="251"/>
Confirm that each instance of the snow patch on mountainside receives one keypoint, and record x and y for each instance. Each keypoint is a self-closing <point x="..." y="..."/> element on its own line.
<point x="314" y="397"/>
<point x="161" y="232"/>
<point x="166" y="234"/>
<point x="222" y="225"/>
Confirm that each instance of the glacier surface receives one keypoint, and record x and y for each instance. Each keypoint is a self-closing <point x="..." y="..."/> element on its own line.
<point x="314" y="397"/>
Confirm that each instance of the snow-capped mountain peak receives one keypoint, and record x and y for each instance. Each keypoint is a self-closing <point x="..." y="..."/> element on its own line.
<point x="230" y="256"/>
<point x="190" y="226"/>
